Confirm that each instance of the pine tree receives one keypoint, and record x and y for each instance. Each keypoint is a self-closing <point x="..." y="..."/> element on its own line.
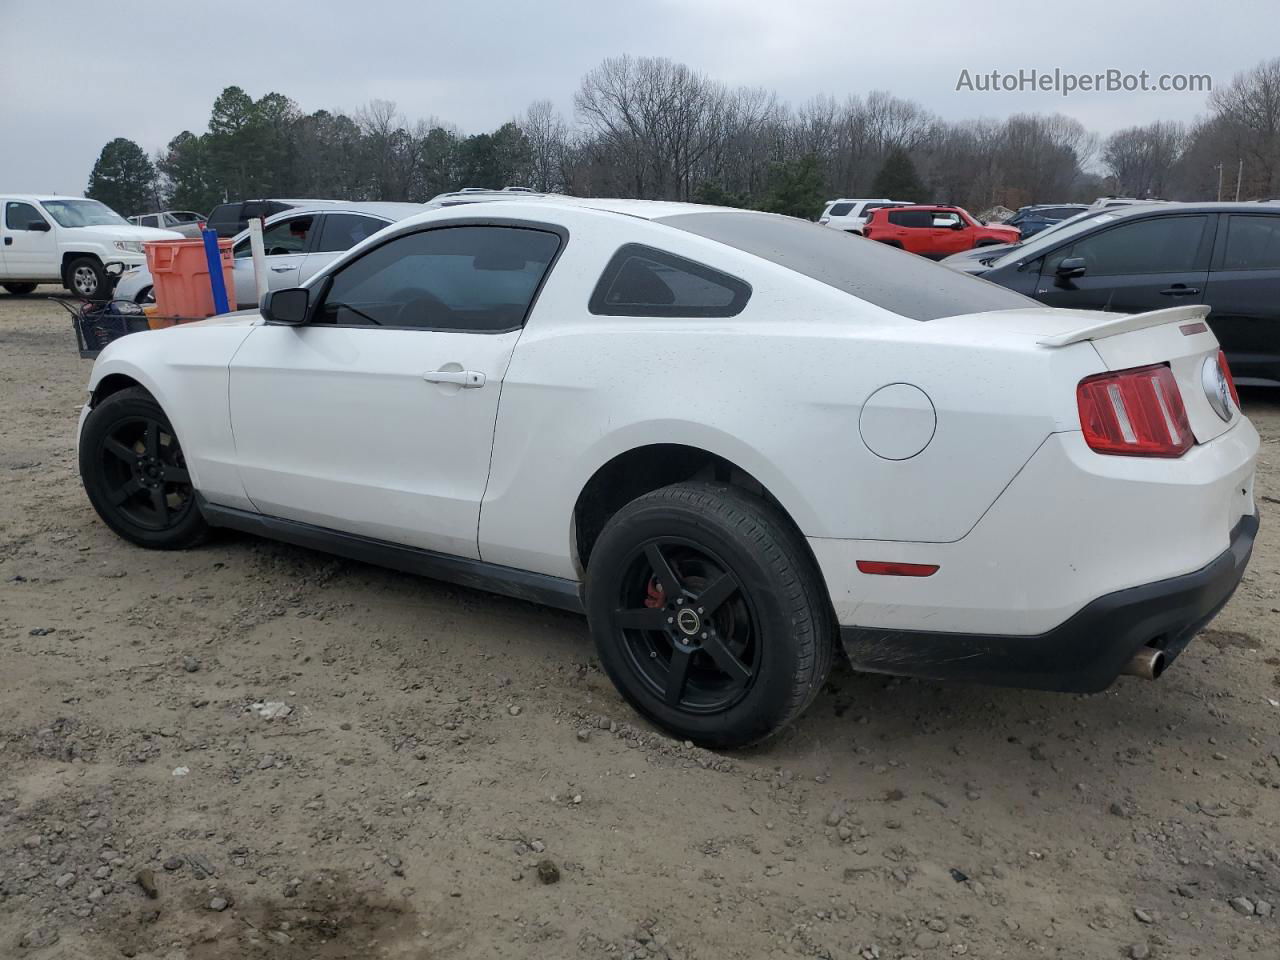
<point x="898" y="180"/>
<point x="123" y="178"/>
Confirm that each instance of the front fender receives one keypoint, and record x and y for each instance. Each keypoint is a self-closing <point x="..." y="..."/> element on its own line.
<point x="187" y="370"/>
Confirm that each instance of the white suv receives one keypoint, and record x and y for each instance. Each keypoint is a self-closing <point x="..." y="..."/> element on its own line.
<point x="66" y="240"/>
<point x="850" y="215"/>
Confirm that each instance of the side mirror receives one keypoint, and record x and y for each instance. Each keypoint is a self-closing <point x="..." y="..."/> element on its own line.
<point x="113" y="268"/>
<point x="39" y="226"/>
<point x="960" y="225"/>
<point x="1070" y="268"/>
<point x="289" y="306"/>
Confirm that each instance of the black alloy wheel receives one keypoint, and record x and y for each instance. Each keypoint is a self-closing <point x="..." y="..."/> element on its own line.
<point x="136" y="475"/>
<point x="686" y="626"/>
<point x="709" y="613"/>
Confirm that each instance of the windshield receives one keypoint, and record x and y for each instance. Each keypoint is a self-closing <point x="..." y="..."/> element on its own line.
<point x="1051" y="235"/>
<point x="83" y="213"/>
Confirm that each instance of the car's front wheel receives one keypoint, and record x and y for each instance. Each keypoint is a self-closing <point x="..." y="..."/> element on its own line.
<point x="19" y="289"/>
<point x="135" y="473"/>
<point x="85" y="277"/>
<point x="709" y="614"/>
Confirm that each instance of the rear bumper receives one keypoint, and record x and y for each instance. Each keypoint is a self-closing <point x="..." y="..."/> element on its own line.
<point x="1086" y="652"/>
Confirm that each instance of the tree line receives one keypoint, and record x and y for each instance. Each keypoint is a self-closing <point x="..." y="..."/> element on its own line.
<point x="650" y="128"/>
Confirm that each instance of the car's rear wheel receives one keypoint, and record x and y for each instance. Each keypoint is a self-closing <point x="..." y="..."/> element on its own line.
<point x="85" y="277"/>
<point x="135" y="473"/>
<point x="19" y="289"/>
<point x="708" y="613"/>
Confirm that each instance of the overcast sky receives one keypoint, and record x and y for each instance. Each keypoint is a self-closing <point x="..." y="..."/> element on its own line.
<point x="77" y="73"/>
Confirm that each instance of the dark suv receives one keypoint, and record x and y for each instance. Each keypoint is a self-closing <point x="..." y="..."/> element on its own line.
<point x="228" y="219"/>
<point x="1134" y="259"/>
<point x="1031" y="220"/>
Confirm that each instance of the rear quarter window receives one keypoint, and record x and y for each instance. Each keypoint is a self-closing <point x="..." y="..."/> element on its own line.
<point x="902" y="283"/>
<point x="840" y="210"/>
<point x="640" y="281"/>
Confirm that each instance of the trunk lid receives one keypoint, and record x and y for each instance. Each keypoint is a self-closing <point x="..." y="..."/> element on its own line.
<point x="1178" y="336"/>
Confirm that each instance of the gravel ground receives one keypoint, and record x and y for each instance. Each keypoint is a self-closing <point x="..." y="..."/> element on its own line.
<point x="251" y="750"/>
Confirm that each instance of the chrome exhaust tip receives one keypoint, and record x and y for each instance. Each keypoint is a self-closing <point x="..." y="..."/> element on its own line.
<point x="1148" y="663"/>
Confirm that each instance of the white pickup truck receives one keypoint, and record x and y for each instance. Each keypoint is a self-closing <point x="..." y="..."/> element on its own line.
<point x="66" y="240"/>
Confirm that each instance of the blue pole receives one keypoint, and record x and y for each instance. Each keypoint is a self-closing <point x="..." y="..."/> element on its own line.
<point x="214" y="257"/>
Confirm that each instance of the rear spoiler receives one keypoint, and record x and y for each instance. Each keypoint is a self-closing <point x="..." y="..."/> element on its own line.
<point x="1124" y="324"/>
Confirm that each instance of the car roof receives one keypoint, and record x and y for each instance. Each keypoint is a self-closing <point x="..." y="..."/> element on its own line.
<point x="1167" y="208"/>
<point x="382" y="208"/>
<point x="28" y="197"/>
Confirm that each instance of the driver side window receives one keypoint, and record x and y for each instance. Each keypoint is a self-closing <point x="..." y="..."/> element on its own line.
<point x="19" y="216"/>
<point x="287" y="237"/>
<point x="1158" y="245"/>
<point x="468" y="278"/>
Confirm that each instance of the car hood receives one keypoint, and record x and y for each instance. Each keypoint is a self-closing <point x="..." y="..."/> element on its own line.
<point x="237" y="318"/>
<point x="109" y="234"/>
<point x="970" y="261"/>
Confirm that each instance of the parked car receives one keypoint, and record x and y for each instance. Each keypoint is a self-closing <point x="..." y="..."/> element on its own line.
<point x="980" y="259"/>
<point x="1033" y="219"/>
<point x="933" y="230"/>
<point x="228" y="219"/>
<point x="849" y="215"/>
<point x="298" y="242"/>
<point x="65" y="240"/>
<point x="185" y="222"/>
<point x="730" y="438"/>
<point x="1106" y="203"/>
<point x="1138" y="258"/>
<point x="476" y="194"/>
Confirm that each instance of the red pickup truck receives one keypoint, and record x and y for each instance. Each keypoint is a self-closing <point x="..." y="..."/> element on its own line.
<point x="934" y="230"/>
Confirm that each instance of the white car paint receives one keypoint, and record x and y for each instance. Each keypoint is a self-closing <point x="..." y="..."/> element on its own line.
<point x="38" y="256"/>
<point x="337" y="427"/>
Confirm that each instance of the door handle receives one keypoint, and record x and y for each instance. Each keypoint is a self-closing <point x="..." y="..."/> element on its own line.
<point x="8" y="241"/>
<point x="468" y="379"/>
<point x="1180" y="290"/>
<point x="282" y="269"/>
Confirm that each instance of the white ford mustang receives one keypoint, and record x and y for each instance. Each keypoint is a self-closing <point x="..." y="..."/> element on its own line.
<point x="732" y="439"/>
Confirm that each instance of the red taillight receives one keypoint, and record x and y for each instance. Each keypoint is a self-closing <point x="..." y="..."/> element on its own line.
<point x="1226" y="375"/>
<point x="888" y="568"/>
<point x="1136" y="413"/>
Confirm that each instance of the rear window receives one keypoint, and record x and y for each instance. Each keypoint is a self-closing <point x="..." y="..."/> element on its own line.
<point x="840" y="210"/>
<point x="911" y="218"/>
<point x="901" y="282"/>
<point x="1253" y="243"/>
<point x="225" y="213"/>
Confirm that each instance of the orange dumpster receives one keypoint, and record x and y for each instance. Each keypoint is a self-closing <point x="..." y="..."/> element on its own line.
<point x="180" y="275"/>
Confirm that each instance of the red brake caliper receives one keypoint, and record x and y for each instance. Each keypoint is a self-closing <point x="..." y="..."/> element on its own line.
<point x="657" y="597"/>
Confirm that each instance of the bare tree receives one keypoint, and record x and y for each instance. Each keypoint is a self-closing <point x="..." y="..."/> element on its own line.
<point x="548" y="138"/>
<point x="1250" y="105"/>
<point x="1142" y="158"/>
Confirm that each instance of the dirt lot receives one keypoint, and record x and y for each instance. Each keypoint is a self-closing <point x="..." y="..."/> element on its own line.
<point x="447" y="752"/>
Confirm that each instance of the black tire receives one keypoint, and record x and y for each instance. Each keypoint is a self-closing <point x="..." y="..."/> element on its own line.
<point x="769" y="616"/>
<point x="19" y="289"/>
<point x="85" y="277"/>
<point x="134" y="472"/>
